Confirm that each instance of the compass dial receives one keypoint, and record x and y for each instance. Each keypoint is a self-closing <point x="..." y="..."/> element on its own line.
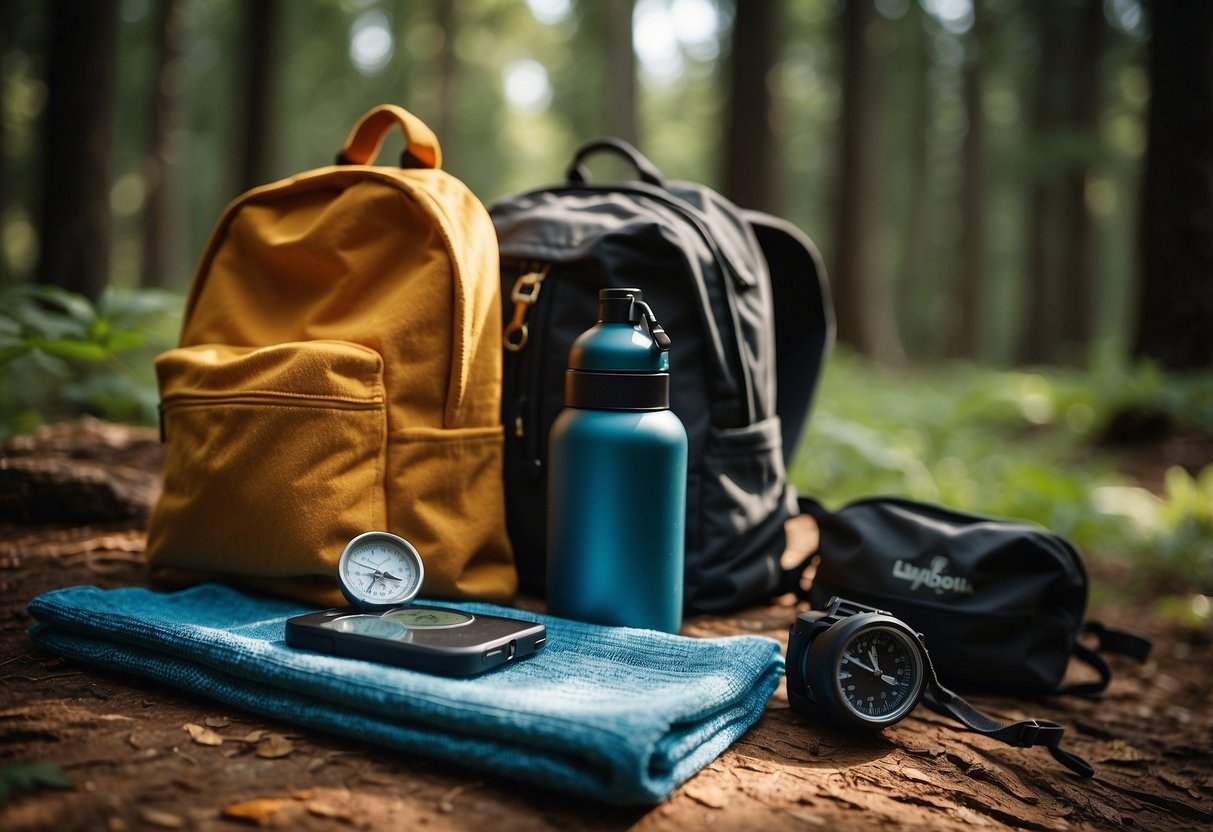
<point x="429" y="618"/>
<point x="879" y="674"/>
<point x="379" y="570"/>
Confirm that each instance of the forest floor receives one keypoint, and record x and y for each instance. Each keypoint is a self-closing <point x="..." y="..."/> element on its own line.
<point x="134" y="763"/>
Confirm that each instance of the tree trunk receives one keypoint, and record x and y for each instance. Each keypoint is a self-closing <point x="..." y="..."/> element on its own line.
<point x="861" y="300"/>
<point x="1040" y="330"/>
<point x="78" y="139"/>
<point x="917" y="218"/>
<point x="1175" y="315"/>
<point x="8" y="39"/>
<point x="260" y="30"/>
<point x="970" y="276"/>
<point x="620" y="99"/>
<point x="751" y="152"/>
<point x="446" y="15"/>
<point x="164" y="222"/>
<point x="1078" y="256"/>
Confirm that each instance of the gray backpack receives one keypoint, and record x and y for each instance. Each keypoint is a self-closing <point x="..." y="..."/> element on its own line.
<point x="744" y="298"/>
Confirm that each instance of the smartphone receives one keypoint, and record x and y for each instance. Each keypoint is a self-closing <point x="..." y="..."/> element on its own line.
<point x="431" y="639"/>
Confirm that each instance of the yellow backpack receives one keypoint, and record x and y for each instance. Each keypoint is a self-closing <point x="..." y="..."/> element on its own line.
<point x="339" y="371"/>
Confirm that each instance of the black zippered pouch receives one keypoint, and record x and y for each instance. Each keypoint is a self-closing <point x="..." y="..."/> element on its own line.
<point x="1000" y="603"/>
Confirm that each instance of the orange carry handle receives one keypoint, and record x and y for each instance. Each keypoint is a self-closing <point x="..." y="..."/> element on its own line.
<point x="421" y="145"/>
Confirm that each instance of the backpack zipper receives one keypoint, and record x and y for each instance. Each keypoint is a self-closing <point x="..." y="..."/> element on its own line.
<point x="526" y="364"/>
<point x="276" y="399"/>
<point x="524" y="295"/>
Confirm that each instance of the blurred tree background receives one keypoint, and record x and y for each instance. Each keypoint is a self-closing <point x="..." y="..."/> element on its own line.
<point x="975" y="171"/>
<point x="993" y="183"/>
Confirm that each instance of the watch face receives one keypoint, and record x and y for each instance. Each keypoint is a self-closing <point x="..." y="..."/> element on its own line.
<point x="879" y="674"/>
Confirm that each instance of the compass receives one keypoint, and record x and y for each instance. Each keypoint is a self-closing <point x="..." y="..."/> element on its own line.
<point x="380" y="571"/>
<point x="855" y="666"/>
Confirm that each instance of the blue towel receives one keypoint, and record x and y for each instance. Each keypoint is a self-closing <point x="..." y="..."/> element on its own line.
<point x="620" y="715"/>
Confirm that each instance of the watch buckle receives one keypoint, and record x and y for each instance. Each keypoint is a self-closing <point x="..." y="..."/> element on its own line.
<point x="1030" y="732"/>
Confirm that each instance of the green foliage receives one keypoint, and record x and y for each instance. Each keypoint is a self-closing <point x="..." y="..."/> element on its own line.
<point x="20" y="778"/>
<point x="1017" y="444"/>
<point x="62" y="355"/>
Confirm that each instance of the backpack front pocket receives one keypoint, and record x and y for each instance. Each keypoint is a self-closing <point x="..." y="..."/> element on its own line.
<point x="274" y="461"/>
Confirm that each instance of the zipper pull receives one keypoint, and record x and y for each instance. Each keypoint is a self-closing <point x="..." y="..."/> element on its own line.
<point x="524" y="294"/>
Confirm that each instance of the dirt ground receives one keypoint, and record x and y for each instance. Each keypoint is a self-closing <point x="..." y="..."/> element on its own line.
<point x="134" y="762"/>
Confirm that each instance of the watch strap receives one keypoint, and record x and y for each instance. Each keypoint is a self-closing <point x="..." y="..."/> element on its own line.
<point x="1022" y="734"/>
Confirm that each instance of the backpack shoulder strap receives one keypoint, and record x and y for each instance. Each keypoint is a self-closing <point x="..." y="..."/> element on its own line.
<point x="804" y="319"/>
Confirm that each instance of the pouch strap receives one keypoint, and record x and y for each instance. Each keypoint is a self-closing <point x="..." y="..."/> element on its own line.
<point x="1119" y="642"/>
<point x="362" y="146"/>
<point x="1108" y="640"/>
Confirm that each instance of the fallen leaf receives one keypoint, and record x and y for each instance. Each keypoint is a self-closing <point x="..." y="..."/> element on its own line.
<point x="203" y="736"/>
<point x="377" y="778"/>
<point x="258" y="811"/>
<point x="1120" y="751"/>
<point x="325" y="809"/>
<point x="31" y="776"/>
<point x="253" y="736"/>
<point x="158" y="817"/>
<point x="1182" y="783"/>
<point x="274" y="746"/>
<point x="446" y="804"/>
<point x="713" y="798"/>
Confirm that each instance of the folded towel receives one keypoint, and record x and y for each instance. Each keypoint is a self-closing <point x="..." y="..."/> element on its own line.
<point x="617" y="714"/>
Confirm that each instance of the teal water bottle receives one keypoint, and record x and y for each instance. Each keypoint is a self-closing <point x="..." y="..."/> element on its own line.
<point x="617" y="476"/>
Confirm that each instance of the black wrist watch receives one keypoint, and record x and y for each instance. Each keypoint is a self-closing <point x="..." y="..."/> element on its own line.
<point x="855" y="666"/>
<point x="858" y="667"/>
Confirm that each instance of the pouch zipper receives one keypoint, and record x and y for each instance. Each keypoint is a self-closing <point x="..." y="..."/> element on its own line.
<point x="276" y="399"/>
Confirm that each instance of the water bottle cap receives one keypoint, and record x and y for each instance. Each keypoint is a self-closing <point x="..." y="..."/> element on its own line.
<point x="616" y="306"/>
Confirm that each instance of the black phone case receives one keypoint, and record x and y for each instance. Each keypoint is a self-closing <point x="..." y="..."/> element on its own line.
<point x="487" y="642"/>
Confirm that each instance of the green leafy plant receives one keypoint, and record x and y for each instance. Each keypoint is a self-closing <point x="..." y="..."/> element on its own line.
<point x="61" y="355"/>
<point x="21" y="778"/>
